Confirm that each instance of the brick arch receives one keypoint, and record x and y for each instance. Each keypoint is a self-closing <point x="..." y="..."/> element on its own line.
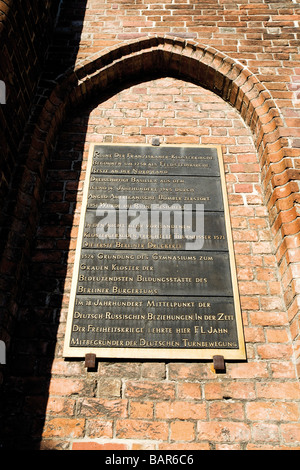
<point x="4" y="10"/>
<point x="202" y="65"/>
<point x="205" y="66"/>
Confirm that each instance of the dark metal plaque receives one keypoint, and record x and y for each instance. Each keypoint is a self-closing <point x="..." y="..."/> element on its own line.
<point x="161" y="161"/>
<point x="160" y="322"/>
<point x="142" y="286"/>
<point x="183" y="273"/>
<point x="155" y="190"/>
<point x="214" y="236"/>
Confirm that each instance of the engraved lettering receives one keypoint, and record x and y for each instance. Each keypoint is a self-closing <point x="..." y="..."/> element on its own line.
<point x="153" y="271"/>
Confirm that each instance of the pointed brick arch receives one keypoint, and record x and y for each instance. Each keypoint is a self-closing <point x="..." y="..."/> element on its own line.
<point x="206" y="67"/>
<point x="189" y="61"/>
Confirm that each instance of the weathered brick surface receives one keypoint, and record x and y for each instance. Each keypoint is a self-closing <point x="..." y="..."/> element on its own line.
<point x="26" y="29"/>
<point x="25" y="34"/>
<point x="251" y="108"/>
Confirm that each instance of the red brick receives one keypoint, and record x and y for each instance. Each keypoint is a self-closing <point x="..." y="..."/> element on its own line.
<point x="90" y="445"/>
<point x="254" y="404"/>
<point x="150" y="390"/>
<point x="291" y="433"/>
<point x="186" y="446"/>
<point x="188" y="371"/>
<point x="60" y="406"/>
<point x="64" y="428"/>
<point x="253" y="288"/>
<point x="141" y="429"/>
<point x="265" y="432"/>
<point x="103" y="407"/>
<point x="182" y="431"/>
<point x="272" y="411"/>
<point x="268" y="318"/>
<point x="274" y="351"/>
<point x="141" y="410"/>
<point x="277" y="336"/>
<point x="280" y="390"/>
<point x="189" y="390"/>
<point x="66" y="386"/>
<point x="243" y="188"/>
<point x="250" y="369"/>
<point x="152" y="370"/>
<point x="99" y="428"/>
<point x="180" y="410"/>
<point x="157" y="131"/>
<point x="234" y="390"/>
<point x="229" y="411"/>
<point x="226" y="431"/>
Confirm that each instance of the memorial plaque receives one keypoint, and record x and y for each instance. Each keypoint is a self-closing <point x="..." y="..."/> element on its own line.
<point x="206" y="322"/>
<point x="154" y="274"/>
<point x="156" y="190"/>
<point x="214" y="238"/>
<point x="158" y="273"/>
<point x="158" y="161"/>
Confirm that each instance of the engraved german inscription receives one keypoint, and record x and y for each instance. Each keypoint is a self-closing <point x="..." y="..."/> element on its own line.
<point x="156" y="190"/>
<point x="154" y="322"/>
<point x="154" y="273"/>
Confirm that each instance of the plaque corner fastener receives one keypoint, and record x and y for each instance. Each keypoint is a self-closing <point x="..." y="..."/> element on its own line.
<point x="156" y="142"/>
<point x="90" y="361"/>
<point x="219" y="363"/>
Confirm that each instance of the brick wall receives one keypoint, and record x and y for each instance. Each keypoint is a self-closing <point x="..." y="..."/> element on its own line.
<point x="251" y="109"/>
<point x="26" y="31"/>
<point x="25" y="34"/>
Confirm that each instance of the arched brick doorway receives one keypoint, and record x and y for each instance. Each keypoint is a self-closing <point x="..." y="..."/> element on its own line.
<point x="150" y="59"/>
<point x="206" y="67"/>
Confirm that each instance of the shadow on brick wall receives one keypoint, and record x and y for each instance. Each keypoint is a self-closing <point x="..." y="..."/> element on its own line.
<point x="37" y="287"/>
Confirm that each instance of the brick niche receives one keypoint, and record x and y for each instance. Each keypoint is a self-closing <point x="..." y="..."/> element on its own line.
<point x="212" y="72"/>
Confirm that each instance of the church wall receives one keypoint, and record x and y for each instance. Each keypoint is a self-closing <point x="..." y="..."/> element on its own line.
<point x="58" y="404"/>
<point x="26" y="30"/>
<point x="161" y="404"/>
